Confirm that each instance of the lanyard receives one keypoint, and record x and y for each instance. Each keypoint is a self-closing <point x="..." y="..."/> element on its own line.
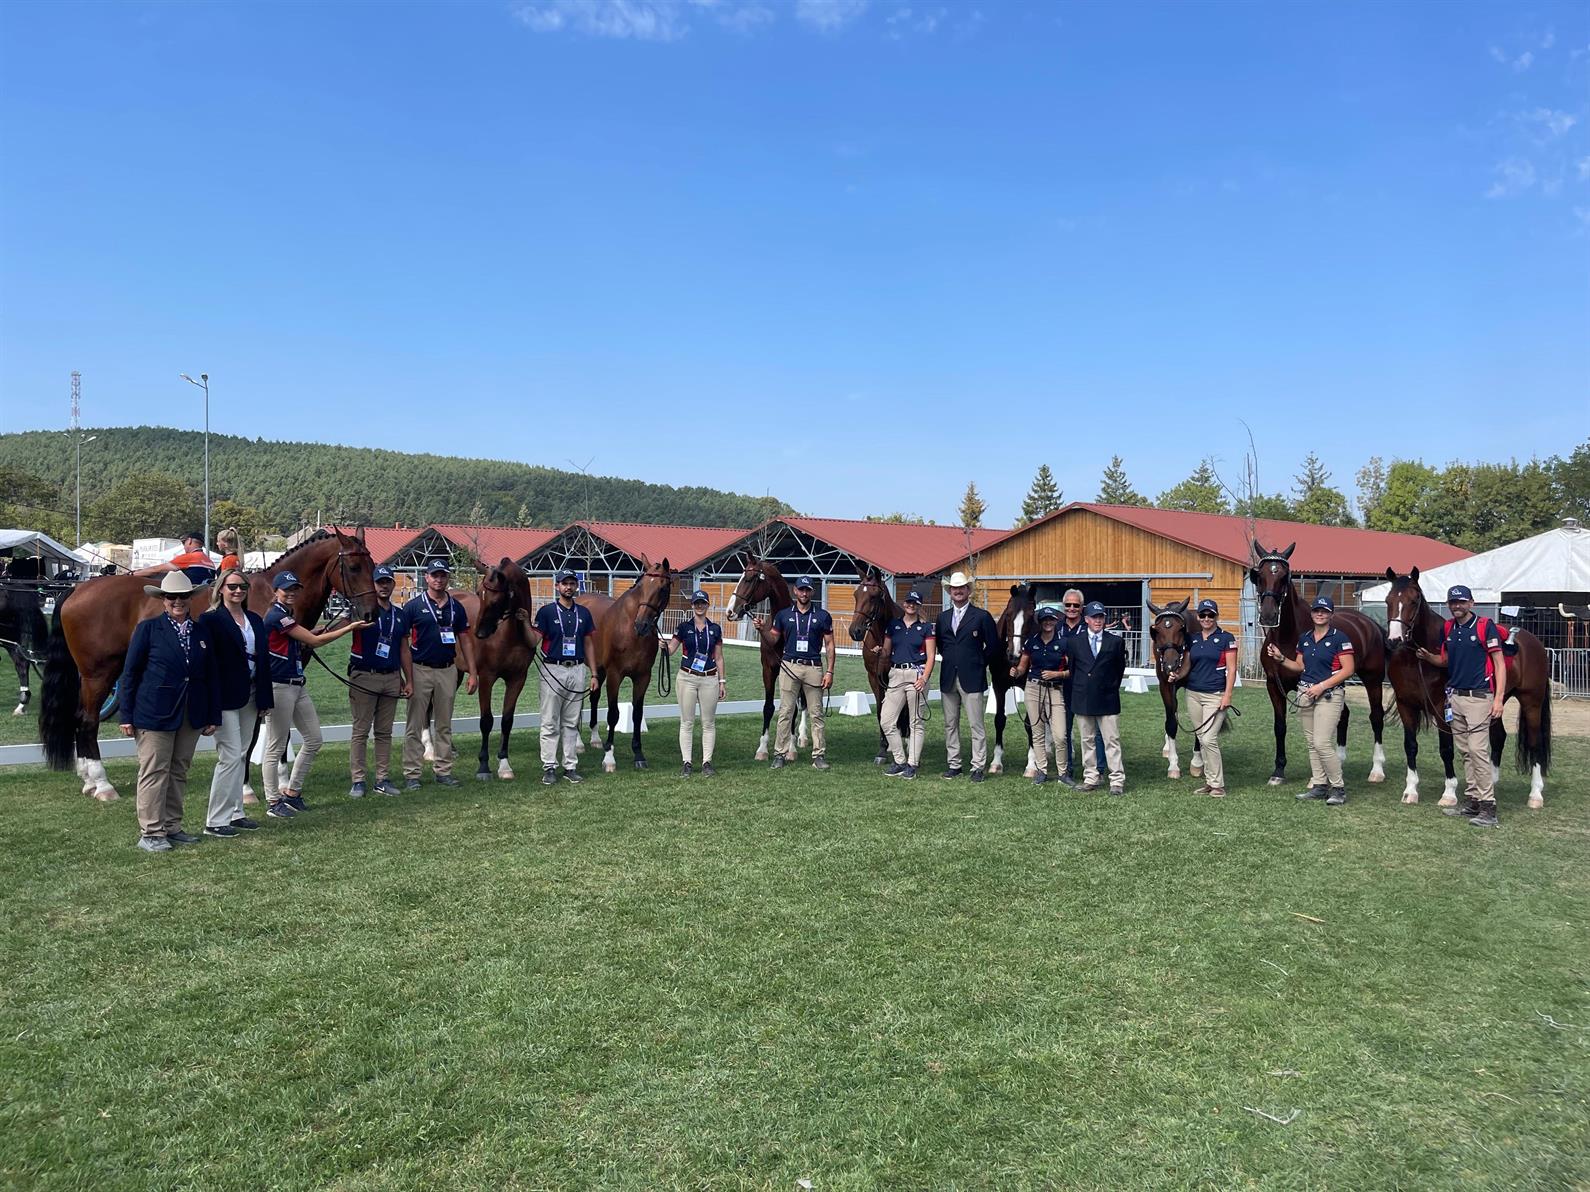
<point x="447" y="606"/>
<point x="796" y="616"/>
<point x="695" y="638"/>
<point x="384" y="628"/>
<point x="565" y="631"/>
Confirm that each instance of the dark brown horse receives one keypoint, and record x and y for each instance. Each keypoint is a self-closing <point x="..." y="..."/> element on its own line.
<point x="1421" y="692"/>
<point x="505" y="645"/>
<point x="1283" y="613"/>
<point x="1170" y="636"/>
<point x="1018" y="622"/>
<point x="869" y="627"/>
<point x="761" y="581"/>
<point x="625" y="647"/>
<point x="93" y="626"/>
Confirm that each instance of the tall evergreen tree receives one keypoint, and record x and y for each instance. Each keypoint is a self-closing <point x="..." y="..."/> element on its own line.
<point x="972" y="507"/>
<point x="1116" y="489"/>
<point x="1371" y="480"/>
<point x="1315" y="500"/>
<point x="1043" y="498"/>
<point x="1199" y="493"/>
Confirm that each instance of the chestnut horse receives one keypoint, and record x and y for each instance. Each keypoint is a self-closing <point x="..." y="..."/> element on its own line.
<point x="869" y="627"/>
<point x="1018" y="622"/>
<point x="505" y="645"/>
<point x="1283" y="613"/>
<point x="625" y="647"/>
<point x="1421" y="692"/>
<point x="761" y="581"/>
<point x="94" y="624"/>
<point x="1169" y="635"/>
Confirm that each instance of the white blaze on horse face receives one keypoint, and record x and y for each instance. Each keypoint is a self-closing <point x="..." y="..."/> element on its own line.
<point x="1015" y="630"/>
<point x="1394" y="631"/>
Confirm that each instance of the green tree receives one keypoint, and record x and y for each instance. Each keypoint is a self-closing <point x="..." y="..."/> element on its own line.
<point x="29" y="502"/>
<point x="1406" y="499"/>
<point x="1371" y="480"/>
<point x="1315" y="500"/>
<point x="1269" y="506"/>
<point x="151" y="505"/>
<point x="250" y="523"/>
<point x="1199" y="493"/>
<point x="522" y="518"/>
<point x="1571" y="483"/>
<point x="1043" y="498"/>
<point x="972" y="507"/>
<point x="1116" y="489"/>
<point x="900" y="519"/>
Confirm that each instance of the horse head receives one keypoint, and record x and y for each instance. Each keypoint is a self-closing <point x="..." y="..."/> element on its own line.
<point x="352" y="572"/>
<point x="499" y="594"/>
<point x="1271" y="574"/>
<point x="1018" y="620"/>
<point x="754" y="587"/>
<point x="1168" y="635"/>
<point x="873" y="605"/>
<point x="656" y="586"/>
<point x="1405" y="607"/>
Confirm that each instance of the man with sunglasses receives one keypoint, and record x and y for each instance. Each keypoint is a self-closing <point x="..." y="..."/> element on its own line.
<point x="1098" y="660"/>
<point x="170" y="698"/>
<point x="380" y="672"/>
<point x="1071" y="625"/>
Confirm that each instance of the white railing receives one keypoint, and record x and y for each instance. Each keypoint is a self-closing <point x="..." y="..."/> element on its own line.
<point x="1570" y="673"/>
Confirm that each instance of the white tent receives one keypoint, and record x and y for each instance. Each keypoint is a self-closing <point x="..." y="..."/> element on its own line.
<point x="23" y="543"/>
<point x="1557" y="561"/>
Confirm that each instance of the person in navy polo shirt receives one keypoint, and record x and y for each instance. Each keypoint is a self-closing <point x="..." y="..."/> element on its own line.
<point x="380" y="672"/>
<point x="438" y="646"/>
<point x="291" y="706"/>
<point x="911" y="655"/>
<point x="1325" y="658"/>
<point x="1210" y="679"/>
<point x="1471" y="652"/>
<point x="566" y="677"/>
<point x="701" y="680"/>
<point x="807" y="633"/>
<point x="1043" y="665"/>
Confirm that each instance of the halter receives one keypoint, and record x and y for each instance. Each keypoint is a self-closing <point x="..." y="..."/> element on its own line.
<point x="663" y="592"/>
<point x="746" y="604"/>
<point x="345" y="573"/>
<point x="873" y="613"/>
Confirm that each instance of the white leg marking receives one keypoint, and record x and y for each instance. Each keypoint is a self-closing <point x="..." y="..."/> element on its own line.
<point x="1410" y="792"/>
<point x="608" y="764"/>
<point x="103" y="790"/>
<point x="1197" y="766"/>
<point x="1168" y="749"/>
<point x="1496" y="776"/>
<point x="1341" y="754"/>
<point x="504" y="770"/>
<point x="425" y="739"/>
<point x="1448" y="793"/>
<point x="1537" y="788"/>
<point x="999" y="760"/>
<point x="1377" y="764"/>
<point x="761" y="749"/>
<point x="1174" y="769"/>
<point x="1032" y="763"/>
<point x="19" y="709"/>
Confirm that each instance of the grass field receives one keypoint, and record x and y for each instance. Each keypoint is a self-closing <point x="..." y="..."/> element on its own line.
<point x="647" y="981"/>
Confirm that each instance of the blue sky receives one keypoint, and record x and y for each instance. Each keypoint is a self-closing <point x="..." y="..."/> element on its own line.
<point x="857" y="253"/>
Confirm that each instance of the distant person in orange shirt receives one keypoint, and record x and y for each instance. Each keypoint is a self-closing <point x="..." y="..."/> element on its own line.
<point x="194" y="561"/>
<point x="226" y="542"/>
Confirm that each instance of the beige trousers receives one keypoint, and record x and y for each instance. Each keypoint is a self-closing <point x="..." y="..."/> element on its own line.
<point x="373" y="699"/>
<point x="163" y="761"/>
<point x="799" y="681"/>
<point x="1046" y="713"/>
<point x="697" y="691"/>
<point x="1109" y="728"/>
<point x="564" y="690"/>
<point x="902" y="693"/>
<point x="1205" y="706"/>
<point x="1471" y="733"/>
<point x="1320" y="718"/>
<point x="974" y="701"/>
<point x="294" y="709"/>
<point x="435" y="689"/>
<point x="232" y="738"/>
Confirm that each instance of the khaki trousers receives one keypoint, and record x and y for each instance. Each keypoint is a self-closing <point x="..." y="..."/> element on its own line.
<point x="1107" y="728"/>
<point x="563" y="693"/>
<point x="902" y="693"/>
<point x="1320" y="718"/>
<point x="294" y="709"/>
<point x="163" y="761"/>
<point x="233" y="736"/>
<point x="1046" y="713"/>
<point x="373" y="699"/>
<point x="1471" y="733"/>
<point x="702" y="691"/>
<point x="974" y="701"/>
<point x="435" y="688"/>
<point x="1202" y="706"/>
<point x="798" y="681"/>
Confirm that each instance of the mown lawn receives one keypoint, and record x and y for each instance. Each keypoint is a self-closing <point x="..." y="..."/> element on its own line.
<point x="764" y="978"/>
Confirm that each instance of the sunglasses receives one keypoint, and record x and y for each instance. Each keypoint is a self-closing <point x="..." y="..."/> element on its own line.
<point x="1206" y="616"/>
<point x="180" y="596"/>
<point x="235" y="587"/>
<point x="1073" y="606"/>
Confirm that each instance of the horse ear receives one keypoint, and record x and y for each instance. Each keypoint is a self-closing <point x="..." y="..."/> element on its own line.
<point x="1154" y="608"/>
<point x="1181" y="605"/>
<point x="1258" y="551"/>
<point x="1391" y="574"/>
<point x="360" y="532"/>
<point x="645" y="561"/>
<point x="1287" y="553"/>
<point x="1414" y="575"/>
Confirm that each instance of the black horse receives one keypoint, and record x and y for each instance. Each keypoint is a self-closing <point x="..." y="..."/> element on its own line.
<point x="24" y="621"/>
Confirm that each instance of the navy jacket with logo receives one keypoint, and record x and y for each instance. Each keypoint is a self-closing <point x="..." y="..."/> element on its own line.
<point x="1096" y="678"/>
<point x="161" y="686"/>
<point x="231" y="660"/>
<point x="968" y="654"/>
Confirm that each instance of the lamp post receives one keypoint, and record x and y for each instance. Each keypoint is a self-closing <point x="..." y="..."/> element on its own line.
<point x="204" y="383"/>
<point x="81" y="439"/>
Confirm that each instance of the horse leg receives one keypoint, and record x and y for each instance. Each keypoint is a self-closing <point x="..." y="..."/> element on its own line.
<point x="1410" y="750"/>
<point x="1377" y="723"/>
<point x="997" y="766"/>
<point x="1341" y="731"/>
<point x="23" y="694"/>
<point x="613" y="683"/>
<point x="1448" y="750"/>
<point x="95" y="781"/>
<point x="596" y="702"/>
<point x="1169" y="752"/>
<point x="482" y="770"/>
<point x="767" y="716"/>
<point x="1534" y="743"/>
<point x="1278" y="708"/>
<point x="637" y="703"/>
<point x="510" y="700"/>
<point x="1498" y="732"/>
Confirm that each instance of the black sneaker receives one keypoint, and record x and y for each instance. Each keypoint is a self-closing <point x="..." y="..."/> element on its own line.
<point x="549" y="777"/>
<point x="1041" y="778"/>
<point x="447" y="780"/>
<point x="1468" y="809"/>
<point x="820" y="763"/>
<point x="243" y="824"/>
<point x="977" y="775"/>
<point x="280" y="810"/>
<point x="181" y="837"/>
<point x="1066" y="780"/>
<point x="894" y="771"/>
<point x="385" y="787"/>
<point x="1314" y="792"/>
<point x="908" y="773"/>
<point x="1486" y="817"/>
<point x="356" y="791"/>
<point x="707" y="771"/>
<point x="223" y="831"/>
<point x="296" y="802"/>
<point x="952" y="773"/>
<point x="685" y="770"/>
<point x="413" y="784"/>
<point x="572" y="776"/>
<point x="778" y="763"/>
<point x="1337" y="797"/>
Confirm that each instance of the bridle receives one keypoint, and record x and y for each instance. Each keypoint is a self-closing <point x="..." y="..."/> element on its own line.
<point x="1285" y="584"/>
<point x="345" y="573"/>
<point x="496" y="593"/>
<point x="875" y="607"/>
<point x="1167" y="671"/>
<point x="745" y="602"/>
<point x="663" y="593"/>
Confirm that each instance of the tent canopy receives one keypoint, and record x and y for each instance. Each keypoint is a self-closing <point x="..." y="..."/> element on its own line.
<point x="25" y="543"/>
<point x="1556" y="561"/>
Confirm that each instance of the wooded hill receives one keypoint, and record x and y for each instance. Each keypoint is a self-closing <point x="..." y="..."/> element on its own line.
<point x="291" y="484"/>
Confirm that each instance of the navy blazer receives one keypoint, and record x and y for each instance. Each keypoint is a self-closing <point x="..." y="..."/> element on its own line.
<point x="231" y="661"/>
<point x="968" y="654"/>
<point x="1096" y="680"/>
<point x="161" y="684"/>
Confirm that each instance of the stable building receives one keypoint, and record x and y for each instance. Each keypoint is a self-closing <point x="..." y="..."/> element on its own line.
<point x="607" y="556"/>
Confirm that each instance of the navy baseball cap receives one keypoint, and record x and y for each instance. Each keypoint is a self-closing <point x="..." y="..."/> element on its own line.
<point x="1095" y="608"/>
<point x="1048" y="613"/>
<point x="436" y="565"/>
<point x="1325" y="602"/>
<point x="913" y="597"/>
<point x="1208" y="606"/>
<point x="804" y="581"/>
<point x="700" y="597"/>
<point x="1458" y="592"/>
<point x="566" y="574"/>
<point x="381" y="573"/>
<point x="286" y="580"/>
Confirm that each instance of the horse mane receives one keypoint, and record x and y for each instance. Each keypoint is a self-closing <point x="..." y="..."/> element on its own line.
<point x="319" y="535"/>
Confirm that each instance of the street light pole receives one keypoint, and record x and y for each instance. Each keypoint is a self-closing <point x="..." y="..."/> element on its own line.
<point x="80" y="440"/>
<point x="204" y="383"/>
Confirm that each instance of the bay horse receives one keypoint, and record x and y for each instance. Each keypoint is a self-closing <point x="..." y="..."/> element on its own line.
<point x="505" y="645"/>
<point x="625" y="647"/>
<point x="1421" y="692"/>
<point x="1016" y="623"/>
<point x="94" y="624"/>
<point x="1285" y="616"/>
<point x="874" y="608"/>
<point x="1169" y="635"/>
<point x="761" y="581"/>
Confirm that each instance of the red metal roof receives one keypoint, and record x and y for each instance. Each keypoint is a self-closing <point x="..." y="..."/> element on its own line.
<point x="899" y="549"/>
<point x="682" y="546"/>
<point x="383" y="542"/>
<point x="488" y="544"/>
<point x="1321" y="550"/>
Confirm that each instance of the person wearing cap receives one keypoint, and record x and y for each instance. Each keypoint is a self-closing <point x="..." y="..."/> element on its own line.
<point x="1097" y="661"/>
<point x="969" y="643"/>
<point x="237" y="638"/>
<point x="1324" y="657"/>
<point x="911" y="657"/>
<point x="437" y="626"/>
<point x="805" y="671"/>
<point x="380" y="672"/>
<point x="566" y="677"/>
<point x="1043" y="665"/>
<point x="169" y="699"/>
<point x="192" y="560"/>
<point x="1471" y="654"/>
<point x="1071" y="624"/>
<point x="291" y="705"/>
<point x="701" y="680"/>
<point x="1211" y="676"/>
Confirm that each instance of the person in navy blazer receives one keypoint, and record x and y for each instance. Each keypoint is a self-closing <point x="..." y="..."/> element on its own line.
<point x="243" y="673"/>
<point x="169" y="697"/>
<point x="969" y="643"/>
<point x="1097" y="663"/>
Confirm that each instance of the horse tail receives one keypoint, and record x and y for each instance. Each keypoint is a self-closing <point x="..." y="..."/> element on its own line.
<point x="59" y="710"/>
<point x="1535" y="752"/>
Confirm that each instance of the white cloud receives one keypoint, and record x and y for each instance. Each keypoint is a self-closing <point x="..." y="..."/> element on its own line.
<point x="1514" y="176"/>
<point x="1554" y="122"/>
<point x="905" y="20"/>
<point x="640" y="20"/>
<point x="1519" y="64"/>
<point x="1582" y="214"/>
<point x="1549" y="39"/>
<point x="1583" y="166"/>
<point x="828" y="16"/>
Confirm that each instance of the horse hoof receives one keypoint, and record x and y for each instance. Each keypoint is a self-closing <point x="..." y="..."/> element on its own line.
<point x="1411" y="797"/>
<point x="996" y="768"/>
<point x="505" y="772"/>
<point x="106" y="794"/>
<point x="1277" y="779"/>
<point x="640" y="763"/>
<point x="1172" y="773"/>
<point x="609" y="768"/>
<point x="1029" y="772"/>
<point x="19" y="709"/>
<point x="1536" y="802"/>
<point x="880" y="759"/>
<point x="761" y="755"/>
<point x="1446" y="801"/>
<point x="1197" y="770"/>
<point x="1376" y="777"/>
<point x="250" y="799"/>
<point x="482" y="775"/>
